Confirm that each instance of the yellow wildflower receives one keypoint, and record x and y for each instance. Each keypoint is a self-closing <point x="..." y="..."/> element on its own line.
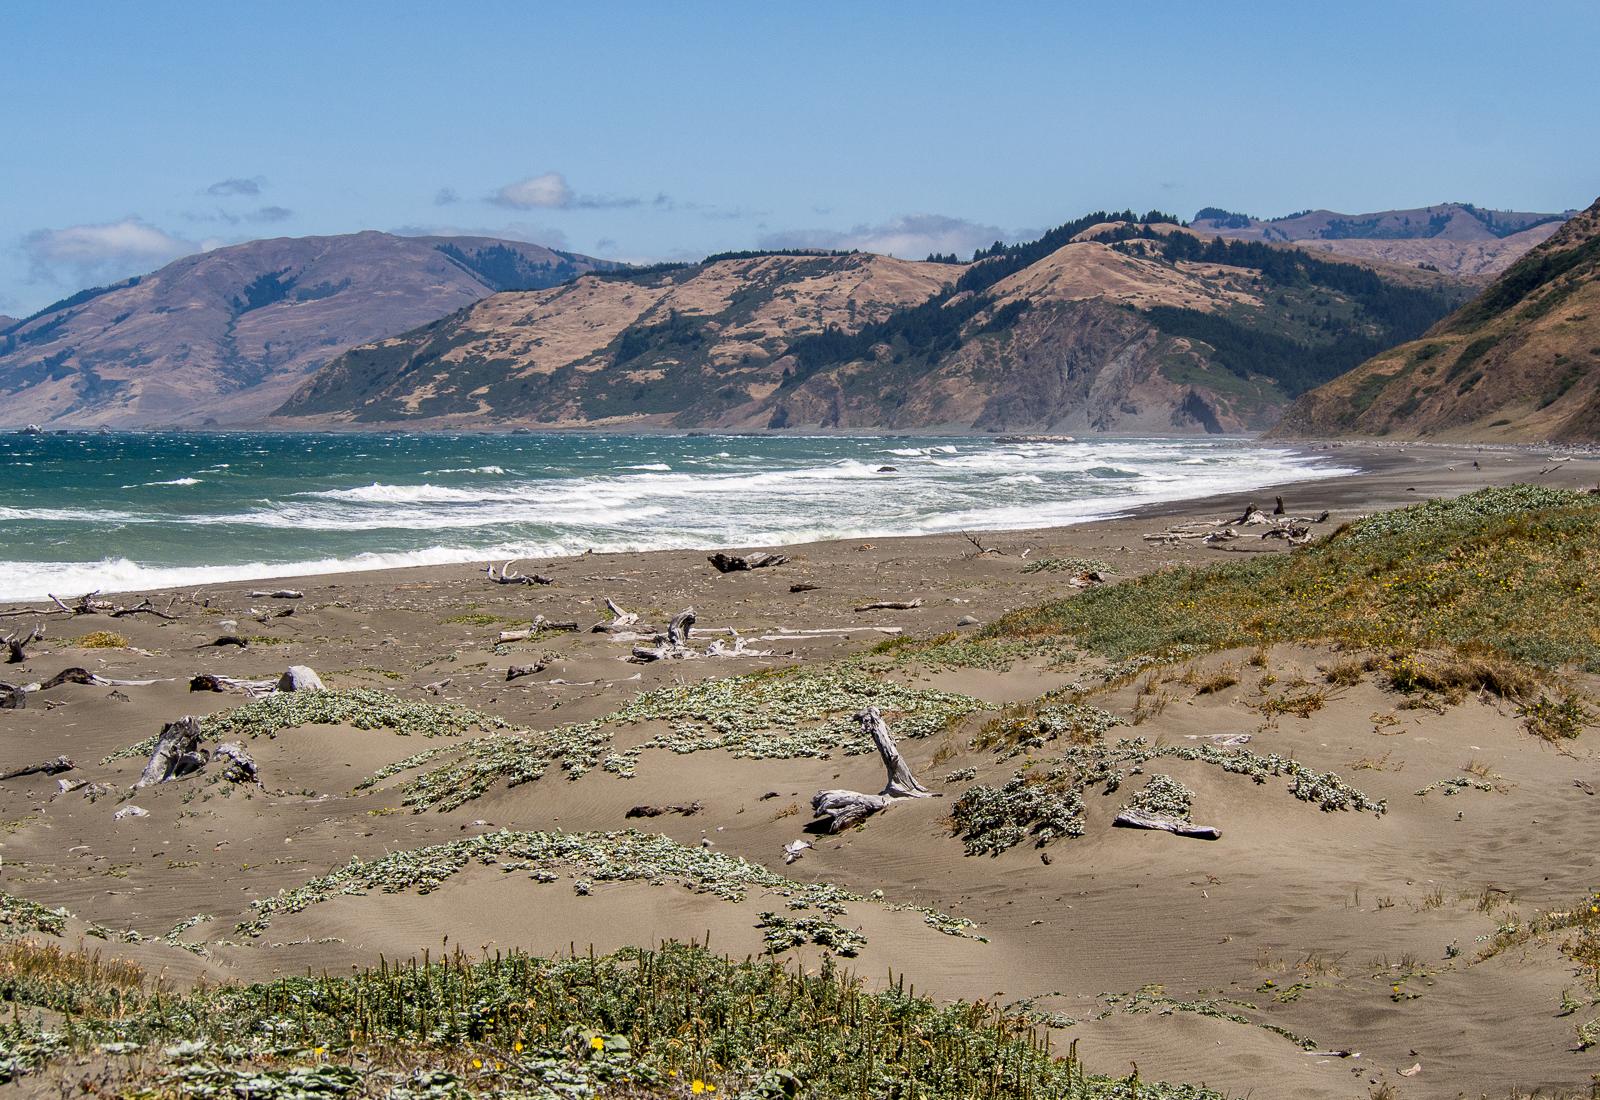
<point x="597" y="1043"/>
<point x="517" y="1046"/>
<point x="698" y="1087"/>
<point x="477" y="1063"/>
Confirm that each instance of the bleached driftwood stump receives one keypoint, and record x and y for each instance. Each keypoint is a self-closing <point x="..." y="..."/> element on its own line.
<point x="846" y="808"/>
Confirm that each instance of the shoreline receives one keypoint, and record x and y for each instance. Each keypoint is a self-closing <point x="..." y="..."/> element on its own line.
<point x="1372" y="463"/>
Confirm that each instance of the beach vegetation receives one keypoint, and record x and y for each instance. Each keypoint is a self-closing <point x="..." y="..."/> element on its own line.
<point x="100" y="639"/>
<point x="667" y="1022"/>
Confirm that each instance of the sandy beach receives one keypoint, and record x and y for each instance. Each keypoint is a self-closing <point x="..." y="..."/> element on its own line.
<point x="1293" y="926"/>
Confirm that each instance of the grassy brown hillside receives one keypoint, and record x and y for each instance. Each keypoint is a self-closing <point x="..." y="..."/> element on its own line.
<point x="1108" y="323"/>
<point x="1458" y="238"/>
<point x="1517" y="363"/>
<point x="228" y="334"/>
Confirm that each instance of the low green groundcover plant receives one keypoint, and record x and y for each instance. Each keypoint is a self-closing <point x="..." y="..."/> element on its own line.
<point x="1506" y="571"/>
<point x="672" y="1022"/>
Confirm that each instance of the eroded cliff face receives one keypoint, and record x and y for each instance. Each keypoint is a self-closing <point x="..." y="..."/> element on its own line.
<point x="1088" y="366"/>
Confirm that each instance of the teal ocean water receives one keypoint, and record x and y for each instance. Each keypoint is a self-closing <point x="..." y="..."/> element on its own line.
<point x="137" y="510"/>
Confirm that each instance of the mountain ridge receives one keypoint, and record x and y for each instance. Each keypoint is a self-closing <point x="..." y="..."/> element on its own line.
<point x="1518" y="363"/>
<point x="226" y="335"/>
<point x="1108" y="323"/>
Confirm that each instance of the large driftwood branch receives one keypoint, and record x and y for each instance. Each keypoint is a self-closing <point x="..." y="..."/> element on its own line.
<point x="49" y="767"/>
<point x="1138" y="819"/>
<point x="674" y="643"/>
<point x="900" y="782"/>
<point x="846" y="808"/>
<point x="177" y="753"/>
<point x="279" y="594"/>
<point x="739" y="563"/>
<point x="17" y="642"/>
<point x="507" y="575"/>
<point x="208" y="681"/>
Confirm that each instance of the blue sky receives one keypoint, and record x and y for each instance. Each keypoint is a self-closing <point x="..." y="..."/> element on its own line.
<point x="132" y="133"/>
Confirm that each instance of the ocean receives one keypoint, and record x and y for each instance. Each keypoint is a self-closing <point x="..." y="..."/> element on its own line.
<point x="121" y="511"/>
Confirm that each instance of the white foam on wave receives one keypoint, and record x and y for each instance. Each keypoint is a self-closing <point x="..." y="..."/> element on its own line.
<point x="174" y="481"/>
<point x="465" y="470"/>
<point x="659" y="467"/>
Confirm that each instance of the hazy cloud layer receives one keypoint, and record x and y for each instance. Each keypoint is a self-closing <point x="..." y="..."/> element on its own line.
<point x="445" y="196"/>
<point x="550" y="191"/>
<point x="236" y="186"/>
<point x="910" y="236"/>
<point x="228" y="217"/>
<point x="98" y="253"/>
<point x="525" y="232"/>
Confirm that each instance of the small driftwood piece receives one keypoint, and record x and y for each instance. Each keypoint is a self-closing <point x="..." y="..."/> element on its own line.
<point x="238" y="766"/>
<point x="16" y="643"/>
<point x="177" y="753"/>
<point x="739" y="563"/>
<point x="620" y="620"/>
<point x="516" y="671"/>
<point x="13" y="697"/>
<point x="540" y="625"/>
<point x="686" y="809"/>
<point x="300" y="678"/>
<point x="143" y="607"/>
<point x="1138" y="819"/>
<point x="891" y="605"/>
<point x="279" y="594"/>
<point x="980" y="547"/>
<point x="49" y="767"/>
<point x="437" y="687"/>
<point x="846" y="808"/>
<point x="804" y="586"/>
<point x="226" y="640"/>
<point x="507" y="575"/>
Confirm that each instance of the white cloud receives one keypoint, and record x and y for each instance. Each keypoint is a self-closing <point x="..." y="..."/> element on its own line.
<point x="910" y="236"/>
<point x="515" y="231"/>
<point x="98" y="252"/>
<point x="548" y="191"/>
<point x="236" y="186"/>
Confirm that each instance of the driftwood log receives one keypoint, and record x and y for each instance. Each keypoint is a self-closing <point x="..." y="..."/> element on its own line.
<point x="516" y="671"/>
<point x="540" y="625"/>
<point x="891" y="605"/>
<point x="507" y="575"/>
<point x="226" y="640"/>
<point x="739" y="563"/>
<point x="177" y="753"/>
<point x="17" y="641"/>
<point x="279" y="594"/>
<point x="1138" y="819"/>
<point x="804" y="586"/>
<point x="207" y="681"/>
<point x="49" y="767"/>
<point x="846" y="808"/>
